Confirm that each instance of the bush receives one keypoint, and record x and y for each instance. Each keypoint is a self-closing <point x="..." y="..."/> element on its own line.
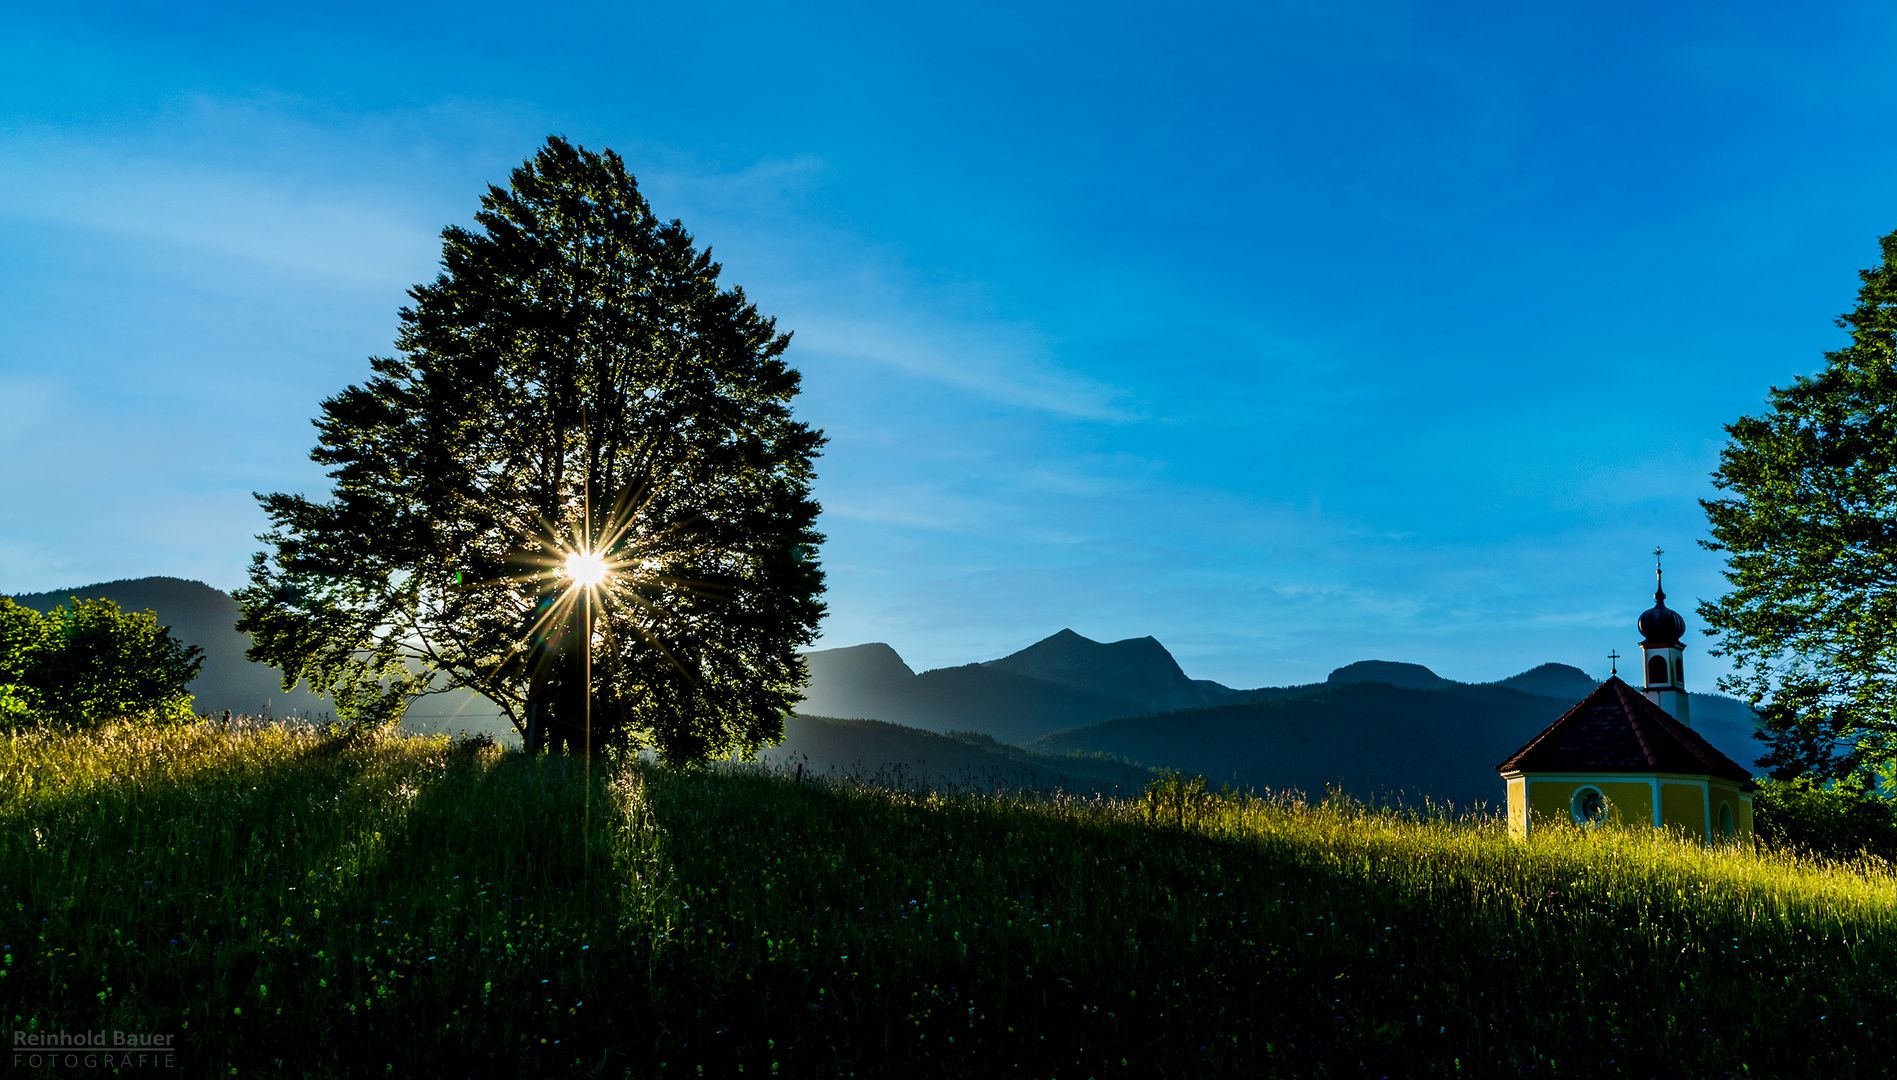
<point x="1841" y="820"/>
<point x="1175" y="798"/>
<point x="21" y="632"/>
<point x="91" y="664"/>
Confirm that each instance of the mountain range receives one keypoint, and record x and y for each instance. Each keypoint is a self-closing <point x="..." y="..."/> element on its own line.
<point x="1066" y="712"/>
<point x="1376" y="728"/>
<point x="1065" y="681"/>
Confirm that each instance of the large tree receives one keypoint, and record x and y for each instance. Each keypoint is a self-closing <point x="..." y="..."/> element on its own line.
<point x="1809" y="528"/>
<point x="574" y="393"/>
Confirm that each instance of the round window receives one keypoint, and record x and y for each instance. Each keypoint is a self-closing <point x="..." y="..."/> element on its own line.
<point x="1588" y="806"/>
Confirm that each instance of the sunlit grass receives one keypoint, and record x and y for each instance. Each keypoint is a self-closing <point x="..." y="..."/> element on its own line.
<point x="293" y="904"/>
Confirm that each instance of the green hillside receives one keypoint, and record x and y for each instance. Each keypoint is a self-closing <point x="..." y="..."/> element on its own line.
<point x="1371" y="739"/>
<point x="896" y="756"/>
<point x="1375" y="728"/>
<point x="397" y="906"/>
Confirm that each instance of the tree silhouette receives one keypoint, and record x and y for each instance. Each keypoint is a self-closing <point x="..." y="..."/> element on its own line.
<point x="574" y="384"/>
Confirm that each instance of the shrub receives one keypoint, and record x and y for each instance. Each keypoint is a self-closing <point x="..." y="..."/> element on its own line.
<point x="22" y="633"/>
<point x="91" y="664"/>
<point x="1839" y="820"/>
<point x="1177" y="799"/>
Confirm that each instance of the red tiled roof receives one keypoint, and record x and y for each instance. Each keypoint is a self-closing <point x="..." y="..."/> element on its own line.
<point x="1616" y="729"/>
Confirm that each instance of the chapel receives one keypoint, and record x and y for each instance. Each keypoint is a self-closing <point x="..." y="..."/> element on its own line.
<point x="1625" y="757"/>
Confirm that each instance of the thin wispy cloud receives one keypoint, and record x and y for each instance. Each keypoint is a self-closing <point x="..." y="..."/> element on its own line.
<point x="272" y="220"/>
<point x="988" y="365"/>
<point x="853" y="298"/>
<point x="1304" y="334"/>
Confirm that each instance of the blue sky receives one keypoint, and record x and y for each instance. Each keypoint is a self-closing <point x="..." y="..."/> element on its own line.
<point x="1290" y="334"/>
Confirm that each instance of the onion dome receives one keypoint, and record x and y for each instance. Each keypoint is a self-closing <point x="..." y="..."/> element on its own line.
<point x="1659" y="624"/>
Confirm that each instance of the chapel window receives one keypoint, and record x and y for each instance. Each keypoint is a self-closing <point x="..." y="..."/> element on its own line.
<point x="1589" y="807"/>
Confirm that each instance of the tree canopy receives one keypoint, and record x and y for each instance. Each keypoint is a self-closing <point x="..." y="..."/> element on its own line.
<point x="90" y="664"/>
<point x="1809" y="528"/>
<point x="574" y="385"/>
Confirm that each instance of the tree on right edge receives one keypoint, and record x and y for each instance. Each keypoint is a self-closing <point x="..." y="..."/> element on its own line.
<point x="1809" y="528"/>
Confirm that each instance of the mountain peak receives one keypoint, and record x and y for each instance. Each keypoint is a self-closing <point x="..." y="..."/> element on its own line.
<point x="1396" y="673"/>
<point x="875" y="662"/>
<point x="1139" y="670"/>
<point x="1074" y="660"/>
<point x="1553" y="680"/>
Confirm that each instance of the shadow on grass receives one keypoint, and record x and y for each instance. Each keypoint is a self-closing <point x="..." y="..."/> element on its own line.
<point x="282" y="895"/>
<point x="400" y="905"/>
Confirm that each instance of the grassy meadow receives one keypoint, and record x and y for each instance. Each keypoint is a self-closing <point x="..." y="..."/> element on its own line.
<point x="290" y="904"/>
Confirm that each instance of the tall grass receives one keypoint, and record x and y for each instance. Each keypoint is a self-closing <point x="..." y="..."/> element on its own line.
<point x="292" y="904"/>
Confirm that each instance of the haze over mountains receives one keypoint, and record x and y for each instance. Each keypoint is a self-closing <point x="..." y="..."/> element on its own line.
<point x="207" y="617"/>
<point x="898" y="755"/>
<point x="1065" y="681"/>
<point x="1064" y="712"/>
<point x="1375" y="727"/>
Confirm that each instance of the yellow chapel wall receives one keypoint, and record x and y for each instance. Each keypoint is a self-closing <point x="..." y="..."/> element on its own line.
<point x="1536" y="802"/>
<point x="1518" y="809"/>
<point x="1683" y="808"/>
<point x="1723" y="791"/>
<point x="1550" y="802"/>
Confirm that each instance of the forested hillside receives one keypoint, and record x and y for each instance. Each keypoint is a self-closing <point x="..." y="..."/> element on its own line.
<point x="1375" y="728"/>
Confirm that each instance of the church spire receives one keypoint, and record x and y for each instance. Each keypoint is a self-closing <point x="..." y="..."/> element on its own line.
<point x="1662" y="634"/>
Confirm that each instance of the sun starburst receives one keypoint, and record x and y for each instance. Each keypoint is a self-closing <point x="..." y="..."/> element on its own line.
<point x="586" y="568"/>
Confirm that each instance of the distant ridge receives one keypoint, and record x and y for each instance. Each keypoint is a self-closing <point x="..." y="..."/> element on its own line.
<point x="1063" y="681"/>
<point x="1411" y="676"/>
<point x="1372" y="738"/>
<point x="1553" y="680"/>
<point x="862" y="680"/>
<point x="1374" y="727"/>
<point x="1137" y="668"/>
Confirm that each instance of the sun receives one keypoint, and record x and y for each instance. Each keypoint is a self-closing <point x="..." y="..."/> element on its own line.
<point x="585" y="569"/>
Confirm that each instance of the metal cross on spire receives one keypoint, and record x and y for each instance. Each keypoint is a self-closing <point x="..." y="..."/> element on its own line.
<point x="1659" y="593"/>
<point x="1613" y="663"/>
